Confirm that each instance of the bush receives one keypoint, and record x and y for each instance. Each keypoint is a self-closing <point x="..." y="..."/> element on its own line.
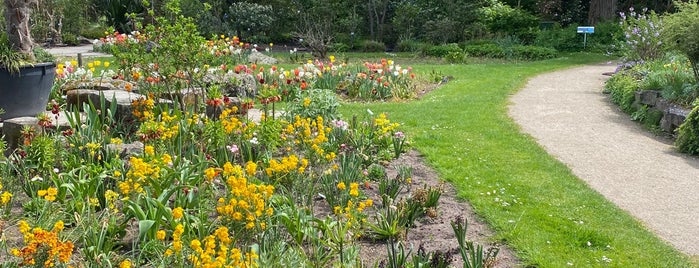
<point x="560" y="38"/>
<point x="70" y="39"/>
<point x="373" y="46"/>
<point x="442" y="50"/>
<point x="688" y="133"/>
<point x="642" y="32"/>
<point x="485" y="50"/>
<point x="680" y="32"/>
<point x="503" y="19"/>
<point x="339" y="47"/>
<point x="94" y="31"/>
<point x="455" y="57"/>
<point x="313" y="103"/>
<point x="622" y="88"/>
<point x="410" y="46"/>
<point x="533" y="52"/>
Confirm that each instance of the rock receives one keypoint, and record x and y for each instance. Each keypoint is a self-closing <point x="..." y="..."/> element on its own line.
<point x="12" y="128"/>
<point x="673" y="117"/>
<point x="122" y="98"/>
<point x="126" y="150"/>
<point x="186" y="96"/>
<point x="232" y="84"/>
<point x="99" y="83"/>
<point x="259" y="58"/>
<point x="648" y="97"/>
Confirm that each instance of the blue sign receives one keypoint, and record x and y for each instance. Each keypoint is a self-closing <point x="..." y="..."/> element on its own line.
<point x="586" y="29"/>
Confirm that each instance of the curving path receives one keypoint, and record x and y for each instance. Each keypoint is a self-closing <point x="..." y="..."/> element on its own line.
<point x="568" y="115"/>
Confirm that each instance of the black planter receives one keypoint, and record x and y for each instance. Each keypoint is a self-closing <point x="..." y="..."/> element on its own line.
<point x="26" y="93"/>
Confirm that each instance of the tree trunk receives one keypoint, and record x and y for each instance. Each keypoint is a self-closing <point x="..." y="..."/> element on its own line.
<point x="601" y="10"/>
<point x="17" y="13"/>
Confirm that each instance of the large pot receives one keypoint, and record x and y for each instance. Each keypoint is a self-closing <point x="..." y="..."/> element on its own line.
<point x="26" y="93"/>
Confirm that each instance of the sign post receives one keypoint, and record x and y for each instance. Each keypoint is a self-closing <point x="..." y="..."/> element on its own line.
<point x="586" y="30"/>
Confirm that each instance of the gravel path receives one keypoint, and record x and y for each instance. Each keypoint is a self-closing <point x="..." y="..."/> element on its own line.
<point x="568" y="115"/>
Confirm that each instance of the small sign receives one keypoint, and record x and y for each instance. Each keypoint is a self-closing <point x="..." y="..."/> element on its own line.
<point x="586" y="29"/>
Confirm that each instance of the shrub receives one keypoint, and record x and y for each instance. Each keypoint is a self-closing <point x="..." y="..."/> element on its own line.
<point x="622" y="88"/>
<point x="313" y="103"/>
<point x="503" y="19"/>
<point x="339" y="47"/>
<point x="410" y="46"/>
<point x="373" y="46"/>
<point x="533" y="52"/>
<point x="642" y="32"/>
<point x="70" y="39"/>
<point x="485" y="50"/>
<point x="442" y="50"/>
<point x="680" y="32"/>
<point x="455" y="57"/>
<point x="688" y="133"/>
<point x="560" y="38"/>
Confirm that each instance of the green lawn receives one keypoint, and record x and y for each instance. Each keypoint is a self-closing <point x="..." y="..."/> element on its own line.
<point x="464" y="132"/>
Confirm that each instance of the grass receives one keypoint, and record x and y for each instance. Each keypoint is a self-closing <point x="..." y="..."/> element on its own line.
<point x="553" y="218"/>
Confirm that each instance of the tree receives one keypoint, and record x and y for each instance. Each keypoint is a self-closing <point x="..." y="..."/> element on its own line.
<point x="601" y="10"/>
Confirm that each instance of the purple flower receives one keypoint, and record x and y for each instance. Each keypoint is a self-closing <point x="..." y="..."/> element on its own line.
<point x="399" y="135"/>
<point x="233" y="148"/>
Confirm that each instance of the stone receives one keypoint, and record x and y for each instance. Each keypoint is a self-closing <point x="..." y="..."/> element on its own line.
<point x="673" y="117"/>
<point x="232" y="84"/>
<point x="99" y="83"/>
<point x="648" y="97"/>
<point x="122" y="98"/>
<point x="126" y="150"/>
<point x="185" y="96"/>
<point x="259" y="58"/>
<point x="12" y="128"/>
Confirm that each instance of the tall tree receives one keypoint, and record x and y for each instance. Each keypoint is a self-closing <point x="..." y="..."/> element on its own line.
<point x="601" y="10"/>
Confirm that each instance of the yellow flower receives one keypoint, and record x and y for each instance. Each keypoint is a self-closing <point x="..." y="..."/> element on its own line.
<point x="116" y="141"/>
<point x="91" y="65"/>
<point x="125" y="264"/>
<point x="97" y="63"/>
<point x="341" y="186"/>
<point x="210" y="173"/>
<point x="160" y="235"/>
<point x="149" y="150"/>
<point x="52" y="191"/>
<point x="177" y="213"/>
<point x="58" y="226"/>
<point x="354" y="189"/>
<point x="117" y="173"/>
<point x="41" y="193"/>
<point x="106" y="64"/>
<point x="306" y="102"/>
<point x="332" y="58"/>
<point x="5" y="198"/>
<point x="250" y="168"/>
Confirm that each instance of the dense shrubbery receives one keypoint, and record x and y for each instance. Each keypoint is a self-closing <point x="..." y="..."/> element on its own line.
<point x="688" y="133"/>
<point x="442" y="50"/>
<point x="520" y="52"/>
<point x="372" y="46"/>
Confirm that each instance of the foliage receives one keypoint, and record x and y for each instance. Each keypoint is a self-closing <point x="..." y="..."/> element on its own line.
<point x="250" y="20"/>
<point x="410" y="46"/>
<point x="510" y="51"/>
<point x="642" y="32"/>
<point x="315" y="102"/>
<point x="505" y="20"/>
<point x="442" y="50"/>
<point x="679" y="32"/>
<point x="622" y="88"/>
<point x="688" y="133"/>
<point x="372" y="46"/>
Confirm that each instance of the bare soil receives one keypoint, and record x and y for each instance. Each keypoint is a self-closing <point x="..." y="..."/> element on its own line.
<point x="436" y="233"/>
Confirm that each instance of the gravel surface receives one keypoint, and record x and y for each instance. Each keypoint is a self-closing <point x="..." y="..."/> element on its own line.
<point x="568" y="115"/>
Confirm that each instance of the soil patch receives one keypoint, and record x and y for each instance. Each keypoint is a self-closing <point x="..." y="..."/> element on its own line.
<point x="436" y="233"/>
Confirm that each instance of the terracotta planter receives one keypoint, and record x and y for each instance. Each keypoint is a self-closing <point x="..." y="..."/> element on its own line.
<point x="26" y="93"/>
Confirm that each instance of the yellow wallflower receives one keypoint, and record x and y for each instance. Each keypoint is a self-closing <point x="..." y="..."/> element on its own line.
<point x="341" y="186"/>
<point x="250" y="168"/>
<point x="160" y="235"/>
<point x="177" y="213"/>
<point x="125" y="264"/>
<point x="149" y="150"/>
